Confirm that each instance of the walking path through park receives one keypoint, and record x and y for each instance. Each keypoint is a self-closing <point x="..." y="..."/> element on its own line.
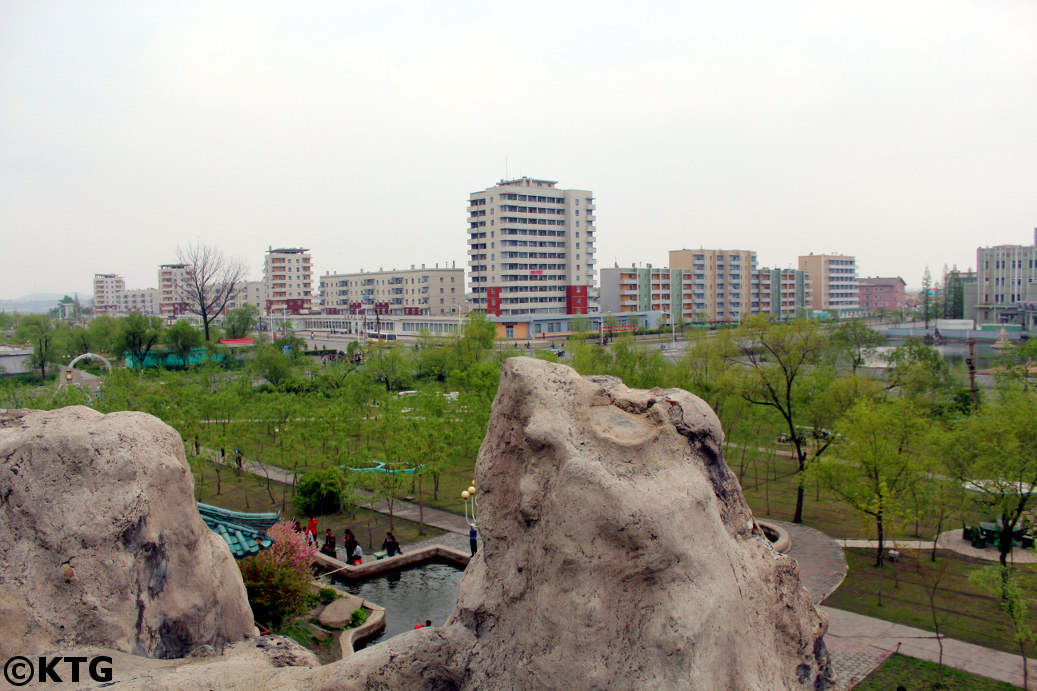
<point x="858" y="644"/>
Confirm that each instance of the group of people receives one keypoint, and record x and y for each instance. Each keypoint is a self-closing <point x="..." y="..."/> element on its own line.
<point x="354" y="553"/>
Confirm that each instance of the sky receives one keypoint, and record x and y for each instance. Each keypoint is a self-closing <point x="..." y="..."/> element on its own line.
<point x="902" y="133"/>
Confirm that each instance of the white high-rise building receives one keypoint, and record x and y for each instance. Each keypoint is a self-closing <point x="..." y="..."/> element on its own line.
<point x="106" y="292"/>
<point x="531" y="248"/>
<point x="171" y="284"/>
<point x="288" y="279"/>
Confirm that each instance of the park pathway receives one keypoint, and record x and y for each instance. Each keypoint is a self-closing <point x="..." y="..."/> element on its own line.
<point x="858" y="644"/>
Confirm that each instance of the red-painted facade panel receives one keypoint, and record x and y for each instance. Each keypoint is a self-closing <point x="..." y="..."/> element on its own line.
<point x="576" y="299"/>
<point x="493" y="303"/>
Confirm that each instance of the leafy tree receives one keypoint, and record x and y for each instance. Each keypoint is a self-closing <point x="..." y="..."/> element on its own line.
<point x="994" y="452"/>
<point x="388" y="365"/>
<point x="104" y="332"/>
<point x="916" y="370"/>
<point x="240" y="322"/>
<point x="775" y="366"/>
<point x="1003" y="582"/>
<point x="320" y="492"/>
<point x="477" y="337"/>
<point x="182" y="338"/>
<point x="278" y="579"/>
<point x="39" y="331"/>
<point x="879" y="448"/>
<point x="210" y="280"/>
<point x="928" y="307"/>
<point x="855" y="341"/>
<point x="139" y="335"/>
<point x="273" y="365"/>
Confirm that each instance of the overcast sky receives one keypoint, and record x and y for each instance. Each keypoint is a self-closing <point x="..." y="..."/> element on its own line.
<point x="904" y="133"/>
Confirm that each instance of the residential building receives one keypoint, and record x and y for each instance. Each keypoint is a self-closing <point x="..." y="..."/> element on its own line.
<point x="881" y="293"/>
<point x="411" y="292"/>
<point x="288" y="279"/>
<point x="721" y="285"/>
<point x="106" y="290"/>
<point x="530" y="249"/>
<point x="782" y="293"/>
<point x="172" y="281"/>
<point x="1006" y="284"/>
<point x="834" y="279"/>
<point x="703" y="293"/>
<point x="143" y="300"/>
<point x="249" y="293"/>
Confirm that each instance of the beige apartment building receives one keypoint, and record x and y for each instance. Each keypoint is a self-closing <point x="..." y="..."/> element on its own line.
<point x="143" y="300"/>
<point x="721" y="285"/>
<point x="171" y="283"/>
<point x="288" y="279"/>
<point x="107" y="288"/>
<point x="834" y="278"/>
<point x="414" y="292"/>
<point x="531" y="248"/>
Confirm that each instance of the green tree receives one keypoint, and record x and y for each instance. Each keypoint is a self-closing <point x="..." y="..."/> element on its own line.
<point x="776" y="366"/>
<point x="477" y="337"/>
<point x="271" y="364"/>
<point x="994" y="452"/>
<point x="879" y="446"/>
<point x="389" y="365"/>
<point x="104" y="333"/>
<point x="240" y="322"/>
<point x="320" y="492"/>
<point x="1003" y="582"/>
<point x="182" y="338"/>
<point x="855" y="341"/>
<point x="915" y="370"/>
<point x="138" y="336"/>
<point x="928" y="304"/>
<point x="39" y="332"/>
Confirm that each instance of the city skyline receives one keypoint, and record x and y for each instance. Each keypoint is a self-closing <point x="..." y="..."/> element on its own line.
<point x="896" y="134"/>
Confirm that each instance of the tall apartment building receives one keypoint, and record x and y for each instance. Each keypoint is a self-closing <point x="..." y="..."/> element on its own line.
<point x="874" y="293"/>
<point x="1006" y="284"/>
<point x="531" y="248"/>
<point x="288" y="277"/>
<point x="171" y="282"/>
<point x="414" y="292"/>
<point x="834" y="278"/>
<point x="721" y="282"/>
<point x="782" y="293"/>
<point x="106" y="292"/>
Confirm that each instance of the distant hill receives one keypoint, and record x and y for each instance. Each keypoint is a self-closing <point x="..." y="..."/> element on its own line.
<point x="39" y="303"/>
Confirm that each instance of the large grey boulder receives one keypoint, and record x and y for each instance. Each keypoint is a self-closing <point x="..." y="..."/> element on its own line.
<point x="618" y="552"/>
<point x="101" y="542"/>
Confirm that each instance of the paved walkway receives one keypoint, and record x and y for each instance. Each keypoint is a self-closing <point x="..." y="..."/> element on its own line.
<point x="858" y="644"/>
<point x="951" y="540"/>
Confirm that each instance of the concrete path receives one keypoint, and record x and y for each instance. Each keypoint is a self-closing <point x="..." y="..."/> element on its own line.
<point x="858" y="644"/>
<point x="951" y="540"/>
<point x="867" y="640"/>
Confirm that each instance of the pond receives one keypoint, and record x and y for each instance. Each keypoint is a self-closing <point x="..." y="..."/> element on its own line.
<point x="409" y="596"/>
<point x="954" y="353"/>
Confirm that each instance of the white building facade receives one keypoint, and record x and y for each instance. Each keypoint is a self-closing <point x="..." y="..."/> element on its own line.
<point x="531" y="248"/>
<point x="107" y="288"/>
<point x="414" y="292"/>
<point x="288" y="281"/>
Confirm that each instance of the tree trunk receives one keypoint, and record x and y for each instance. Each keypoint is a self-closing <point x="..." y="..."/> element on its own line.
<point x="878" y="525"/>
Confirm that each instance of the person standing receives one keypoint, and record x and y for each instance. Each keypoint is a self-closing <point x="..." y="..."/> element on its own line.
<point x="350" y="545"/>
<point x="473" y="536"/>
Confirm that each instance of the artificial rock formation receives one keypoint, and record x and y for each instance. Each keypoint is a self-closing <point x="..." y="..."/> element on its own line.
<point x="101" y="542"/>
<point x="618" y="552"/>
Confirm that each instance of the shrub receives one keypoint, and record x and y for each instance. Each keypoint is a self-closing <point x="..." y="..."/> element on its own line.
<point x="358" y="617"/>
<point x="319" y="492"/>
<point x="277" y="580"/>
<point x="326" y="595"/>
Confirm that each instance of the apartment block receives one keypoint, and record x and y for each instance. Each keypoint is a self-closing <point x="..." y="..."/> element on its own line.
<point x="171" y="284"/>
<point x="288" y="277"/>
<point x="782" y="293"/>
<point x="143" y="300"/>
<point x="721" y="283"/>
<point x="531" y="248"/>
<point x="1006" y="284"/>
<point x="414" y="292"/>
<point x="875" y="293"/>
<point x="107" y="288"/>
<point x="834" y="278"/>
<point x="249" y="293"/>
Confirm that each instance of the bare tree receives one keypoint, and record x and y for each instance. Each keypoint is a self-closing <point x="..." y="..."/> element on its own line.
<point x="210" y="280"/>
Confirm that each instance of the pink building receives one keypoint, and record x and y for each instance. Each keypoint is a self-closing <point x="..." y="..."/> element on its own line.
<point x="878" y="293"/>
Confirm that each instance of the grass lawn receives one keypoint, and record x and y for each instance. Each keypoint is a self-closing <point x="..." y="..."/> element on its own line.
<point x="249" y="493"/>
<point x="967" y="614"/>
<point x="920" y="675"/>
